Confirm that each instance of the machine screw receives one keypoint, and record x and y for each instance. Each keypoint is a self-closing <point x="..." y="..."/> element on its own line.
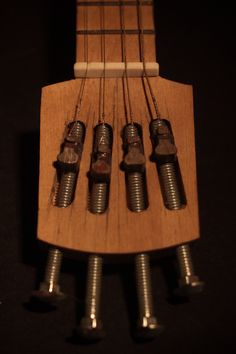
<point x="165" y="154"/>
<point x="100" y="170"/>
<point x="91" y="326"/>
<point x="49" y="290"/>
<point x="134" y="164"/>
<point x="189" y="283"/>
<point x="68" y="162"/>
<point x="148" y="326"/>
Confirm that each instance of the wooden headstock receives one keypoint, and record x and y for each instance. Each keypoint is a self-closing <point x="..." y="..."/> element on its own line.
<point x="118" y="230"/>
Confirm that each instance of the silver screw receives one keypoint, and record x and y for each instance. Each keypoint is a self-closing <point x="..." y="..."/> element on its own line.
<point x="174" y="199"/>
<point x="67" y="183"/>
<point x="189" y="283"/>
<point x="102" y="147"/>
<point x="91" y="326"/>
<point x="66" y="189"/>
<point x="137" y="199"/>
<point x="148" y="326"/>
<point x="49" y="290"/>
<point x="99" y="198"/>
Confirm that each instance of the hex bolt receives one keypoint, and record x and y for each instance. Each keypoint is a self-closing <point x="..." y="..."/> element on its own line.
<point x="49" y="290"/>
<point x="91" y="327"/>
<point x="134" y="164"/>
<point x="148" y="326"/>
<point x="189" y="283"/>
<point x="165" y="154"/>
<point x="66" y="187"/>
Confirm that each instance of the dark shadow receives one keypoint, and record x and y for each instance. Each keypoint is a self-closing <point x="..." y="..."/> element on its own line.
<point x="60" y="39"/>
<point x="79" y="270"/>
<point x="30" y="253"/>
<point x="38" y="307"/>
<point x="168" y="266"/>
<point x="127" y="273"/>
<point x="28" y="160"/>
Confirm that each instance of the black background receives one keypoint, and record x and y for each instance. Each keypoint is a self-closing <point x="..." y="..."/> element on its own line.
<point x="195" y="45"/>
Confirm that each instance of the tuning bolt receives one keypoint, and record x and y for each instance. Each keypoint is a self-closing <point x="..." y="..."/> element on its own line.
<point x="91" y="327"/>
<point x="134" y="166"/>
<point x="148" y="326"/>
<point x="189" y="283"/>
<point x="67" y="165"/>
<point x="49" y="290"/>
<point x="165" y="154"/>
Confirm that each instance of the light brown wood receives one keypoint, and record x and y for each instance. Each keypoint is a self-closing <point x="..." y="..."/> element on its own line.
<point x="113" y="42"/>
<point x="119" y="230"/>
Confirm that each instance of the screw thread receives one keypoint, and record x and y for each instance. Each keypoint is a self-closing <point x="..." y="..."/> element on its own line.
<point x="77" y="131"/>
<point x="53" y="269"/>
<point x="144" y="289"/>
<point x="93" y="286"/>
<point x="130" y="131"/>
<point x="66" y="189"/>
<point x="155" y="124"/>
<point x="103" y="134"/>
<point x="185" y="260"/>
<point x="135" y="181"/>
<point x="98" y="198"/>
<point x="136" y="191"/>
<point x="170" y="188"/>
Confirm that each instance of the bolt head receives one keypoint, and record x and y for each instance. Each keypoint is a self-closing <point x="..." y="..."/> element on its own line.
<point x="148" y="328"/>
<point x="47" y="295"/>
<point x="91" y="329"/>
<point x="189" y="285"/>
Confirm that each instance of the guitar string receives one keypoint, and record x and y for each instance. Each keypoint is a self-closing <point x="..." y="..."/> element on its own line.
<point x="78" y="103"/>
<point x="102" y="86"/>
<point x="80" y="96"/>
<point x="127" y="102"/>
<point x="143" y="59"/>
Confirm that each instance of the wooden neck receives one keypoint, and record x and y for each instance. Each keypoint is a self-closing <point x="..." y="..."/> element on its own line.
<point x="89" y="29"/>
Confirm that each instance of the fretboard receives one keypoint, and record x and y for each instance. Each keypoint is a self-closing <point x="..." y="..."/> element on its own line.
<point x="90" y="30"/>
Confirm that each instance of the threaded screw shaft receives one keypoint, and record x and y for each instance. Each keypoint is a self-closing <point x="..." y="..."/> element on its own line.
<point x="66" y="190"/>
<point x="103" y="134"/>
<point x="93" y="287"/>
<point x="136" y="190"/>
<point x="189" y="282"/>
<point x="174" y="199"/>
<point x="169" y="184"/>
<point x="144" y="289"/>
<point x="91" y="326"/>
<point x="130" y="131"/>
<point x="138" y="202"/>
<point x="135" y="181"/>
<point x="98" y="198"/>
<point x="63" y="197"/>
<point x="53" y="269"/>
<point x="185" y="260"/>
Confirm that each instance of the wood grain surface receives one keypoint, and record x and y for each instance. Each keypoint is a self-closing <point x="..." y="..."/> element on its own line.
<point x="118" y="230"/>
<point x="113" y="42"/>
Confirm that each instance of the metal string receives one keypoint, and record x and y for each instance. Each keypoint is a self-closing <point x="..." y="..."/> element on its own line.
<point x="142" y="57"/>
<point x="83" y="80"/>
<point x="102" y="88"/>
<point x="128" y="106"/>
